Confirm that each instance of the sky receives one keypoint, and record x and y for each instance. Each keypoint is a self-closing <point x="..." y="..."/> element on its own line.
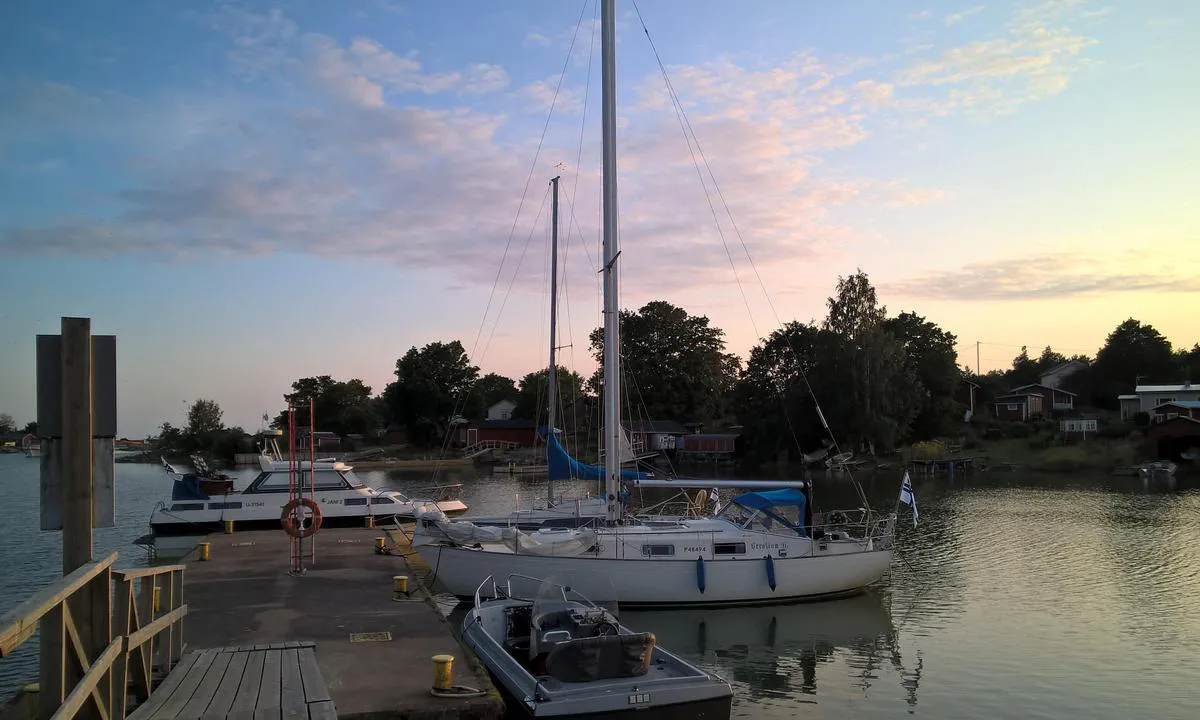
<point x="247" y="193"/>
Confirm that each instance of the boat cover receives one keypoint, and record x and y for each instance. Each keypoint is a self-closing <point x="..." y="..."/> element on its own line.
<point x="187" y="487"/>
<point x="561" y="466"/>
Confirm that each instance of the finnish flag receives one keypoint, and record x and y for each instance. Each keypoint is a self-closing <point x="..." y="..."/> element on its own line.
<point x="168" y="467"/>
<point x="715" y="499"/>
<point x="908" y="497"/>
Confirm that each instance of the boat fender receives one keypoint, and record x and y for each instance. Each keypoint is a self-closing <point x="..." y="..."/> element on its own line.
<point x="288" y="518"/>
<point x="770" y="572"/>
<point x="700" y="574"/>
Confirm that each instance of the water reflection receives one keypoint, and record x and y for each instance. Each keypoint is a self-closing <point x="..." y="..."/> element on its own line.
<point x="779" y="651"/>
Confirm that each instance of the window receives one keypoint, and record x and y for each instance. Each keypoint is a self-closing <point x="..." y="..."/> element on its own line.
<point x="1012" y="406"/>
<point x="657" y="550"/>
<point x="729" y="548"/>
<point x="225" y="506"/>
<point x="327" y="480"/>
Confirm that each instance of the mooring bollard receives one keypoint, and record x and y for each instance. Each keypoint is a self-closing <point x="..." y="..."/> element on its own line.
<point x="204" y="551"/>
<point x="379" y="545"/>
<point x="443" y="672"/>
<point x="399" y="587"/>
<point x="370" y="521"/>
<point x="228" y="527"/>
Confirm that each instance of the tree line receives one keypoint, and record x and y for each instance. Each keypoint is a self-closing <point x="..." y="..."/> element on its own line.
<point x="859" y="375"/>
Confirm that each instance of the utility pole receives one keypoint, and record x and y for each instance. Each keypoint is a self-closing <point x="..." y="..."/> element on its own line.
<point x="977" y="373"/>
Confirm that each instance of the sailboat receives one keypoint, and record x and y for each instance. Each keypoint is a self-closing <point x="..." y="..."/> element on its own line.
<point x="762" y="547"/>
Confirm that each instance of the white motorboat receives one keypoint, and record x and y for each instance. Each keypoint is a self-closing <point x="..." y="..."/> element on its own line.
<point x="195" y="509"/>
<point x="558" y="654"/>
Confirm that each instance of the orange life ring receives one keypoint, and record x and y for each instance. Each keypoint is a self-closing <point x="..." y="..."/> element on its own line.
<point x="292" y="527"/>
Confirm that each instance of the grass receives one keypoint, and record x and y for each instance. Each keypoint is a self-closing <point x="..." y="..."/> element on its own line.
<point x="1094" y="455"/>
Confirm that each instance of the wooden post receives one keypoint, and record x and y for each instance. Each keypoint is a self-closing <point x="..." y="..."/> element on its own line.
<point x="76" y="509"/>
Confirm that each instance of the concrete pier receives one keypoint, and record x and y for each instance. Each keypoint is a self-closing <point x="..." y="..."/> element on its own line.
<point x="374" y="653"/>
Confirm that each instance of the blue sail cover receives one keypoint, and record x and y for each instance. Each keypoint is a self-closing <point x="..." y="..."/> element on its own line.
<point x="561" y="466"/>
<point x="767" y="499"/>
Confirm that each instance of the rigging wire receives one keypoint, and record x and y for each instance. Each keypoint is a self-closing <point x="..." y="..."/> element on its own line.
<point x="461" y="402"/>
<point x="690" y="136"/>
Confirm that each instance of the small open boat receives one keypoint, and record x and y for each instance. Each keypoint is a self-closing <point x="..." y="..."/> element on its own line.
<point x="558" y="654"/>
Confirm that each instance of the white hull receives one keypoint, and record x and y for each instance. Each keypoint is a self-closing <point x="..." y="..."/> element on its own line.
<point x="667" y="581"/>
<point x="268" y="507"/>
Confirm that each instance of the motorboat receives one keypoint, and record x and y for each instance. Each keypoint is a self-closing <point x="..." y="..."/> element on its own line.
<point x="556" y="653"/>
<point x="192" y="512"/>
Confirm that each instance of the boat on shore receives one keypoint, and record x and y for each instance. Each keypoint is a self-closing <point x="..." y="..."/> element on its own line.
<point x="558" y="654"/>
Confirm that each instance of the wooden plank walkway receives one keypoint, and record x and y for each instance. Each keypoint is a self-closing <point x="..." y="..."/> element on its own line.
<point x="250" y="682"/>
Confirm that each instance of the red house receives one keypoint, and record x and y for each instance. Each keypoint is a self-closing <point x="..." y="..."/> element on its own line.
<point x="1174" y="409"/>
<point x="1053" y="399"/>
<point x="1018" y="406"/>
<point x="521" y="432"/>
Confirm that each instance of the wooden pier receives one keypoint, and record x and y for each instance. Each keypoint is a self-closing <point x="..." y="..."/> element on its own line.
<point x="949" y="466"/>
<point x="254" y="640"/>
<point x="372" y="652"/>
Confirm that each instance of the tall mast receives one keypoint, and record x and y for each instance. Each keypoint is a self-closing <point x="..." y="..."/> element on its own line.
<point x="612" y="329"/>
<point x="552" y="372"/>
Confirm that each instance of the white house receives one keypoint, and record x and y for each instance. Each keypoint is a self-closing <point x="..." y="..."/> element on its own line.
<point x="1147" y="397"/>
<point x="1055" y="376"/>
<point x="501" y="410"/>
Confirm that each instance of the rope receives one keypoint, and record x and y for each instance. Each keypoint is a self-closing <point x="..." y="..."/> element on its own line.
<point x="457" y="691"/>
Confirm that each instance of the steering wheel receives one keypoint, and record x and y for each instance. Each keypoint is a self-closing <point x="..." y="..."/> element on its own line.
<point x="604" y="628"/>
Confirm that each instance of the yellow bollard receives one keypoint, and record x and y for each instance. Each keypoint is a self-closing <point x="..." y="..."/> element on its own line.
<point x="379" y="545"/>
<point x="228" y="527"/>
<point x="157" y="598"/>
<point x="203" y="551"/>
<point x="370" y="521"/>
<point x="399" y="586"/>
<point x="443" y="672"/>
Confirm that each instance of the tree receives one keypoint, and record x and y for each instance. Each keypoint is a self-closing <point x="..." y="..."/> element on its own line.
<point x="1049" y="360"/>
<point x="531" y="393"/>
<point x="1133" y="353"/>
<point x="773" y="399"/>
<point x="1188" y="363"/>
<point x="854" y="308"/>
<point x="930" y="356"/>
<point x="30" y="428"/>
<point x="7" y="424"/>
<point x="489" y="390"/>
<point x="675" y="363"/>
<point x="341" y="407"/>
<point x="884" y="395"/>
<point x="431" y="386"/>
<point x="204" y="418"/>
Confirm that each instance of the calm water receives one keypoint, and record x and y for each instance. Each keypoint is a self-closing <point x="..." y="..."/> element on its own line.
<point x="1017" y="597"/>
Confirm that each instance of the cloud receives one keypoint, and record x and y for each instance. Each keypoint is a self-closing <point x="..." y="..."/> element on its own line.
<point x="1034" y="59"/>
<point x="1052" y="275"/>
<point x="954" y="18"/>
<point x="536" y="38"/>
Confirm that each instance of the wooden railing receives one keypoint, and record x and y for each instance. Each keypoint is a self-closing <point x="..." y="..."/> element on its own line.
<point x="86" y="646"/>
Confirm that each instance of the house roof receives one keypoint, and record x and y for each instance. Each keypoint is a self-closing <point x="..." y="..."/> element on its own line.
<point x="508" y="424"/>
<point x="1061" y="366"/>
<point x="1182" y="387"/>
<point x="1039" y="385"/>
<point x="667" y="427"/>
<point x="1189" y="404"/>
<point x="1127" y="397"/>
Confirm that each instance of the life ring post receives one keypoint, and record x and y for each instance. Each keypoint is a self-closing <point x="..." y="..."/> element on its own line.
<point x="293" y="525"/>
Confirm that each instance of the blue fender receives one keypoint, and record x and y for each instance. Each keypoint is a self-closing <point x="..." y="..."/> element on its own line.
<point x="771" y="572"/>
<point x="700" y="574"/>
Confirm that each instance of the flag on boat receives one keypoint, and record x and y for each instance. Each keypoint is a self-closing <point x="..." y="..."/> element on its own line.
<point x="168" y="467"/>
<point x="908" y="497"/>
<point x="715" y="499"/>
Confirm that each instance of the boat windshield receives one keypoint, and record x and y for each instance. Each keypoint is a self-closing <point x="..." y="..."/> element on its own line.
<point x="590" y="589"/>
<point x="771" y="510"/>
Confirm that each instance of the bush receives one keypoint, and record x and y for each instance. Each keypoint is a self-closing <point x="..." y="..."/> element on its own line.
<point x="928" y="450"/>
<point x="1116" y="431"/>
<point x="1016" y="431"/>
<point x="1039" y="443"/>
